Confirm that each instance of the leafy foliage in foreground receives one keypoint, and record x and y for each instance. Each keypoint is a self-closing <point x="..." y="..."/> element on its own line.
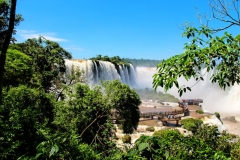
<point x="25" y="113"/>
<point x="203" y="53"/>
<point x="206" y="143"/>
<point x="36" y="124"/>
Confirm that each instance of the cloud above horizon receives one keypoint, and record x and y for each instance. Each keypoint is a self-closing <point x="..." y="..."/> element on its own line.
<point x="27" y="34"/>
<point x="74" y="48"/>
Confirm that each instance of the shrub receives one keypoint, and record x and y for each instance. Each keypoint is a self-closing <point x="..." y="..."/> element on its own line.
<point x="199" y="111"/>
<point x="126" y="138"/>
<point x="235" y="151"/>
<point x="218" y="116"/>
<point x="191" y="124"/>
<point x="150" y="129"/>
<point x="165" y="131"/>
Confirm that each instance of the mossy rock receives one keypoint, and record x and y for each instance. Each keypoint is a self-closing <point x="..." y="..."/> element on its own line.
<point x="126" y="138"/>
<point x="150" y="129"/>
<point x="199" y="111"/>
<point x="231" y="118"/>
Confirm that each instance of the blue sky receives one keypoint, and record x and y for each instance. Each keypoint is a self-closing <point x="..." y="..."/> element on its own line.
<point x="146" y="29"/>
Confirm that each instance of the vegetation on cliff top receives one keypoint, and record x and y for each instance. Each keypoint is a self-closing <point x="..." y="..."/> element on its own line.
<point x="143" y="62"/>
<point x="126" y="61"/>
<point x="115" y="60"/>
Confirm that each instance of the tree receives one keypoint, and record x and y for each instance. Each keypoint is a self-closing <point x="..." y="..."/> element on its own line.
<point x="204" y="52"/>
<point x="125" y="101"/>
<point x="47" y="62"/>
<point x="225" y="11"/>
<point x="8" y="21"/>
<point x="26" y="116"/>
<point x="17" y="69"/>
<point x="86" y="115"/>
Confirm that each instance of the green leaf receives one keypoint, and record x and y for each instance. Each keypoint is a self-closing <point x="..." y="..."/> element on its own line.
<point x="181" y="93"/>
<point x="54" y="149"/>
<point x="142" y="146"/>
<point x="213" y="62"/>
<point x="166" y="154"/>
<point x="38" y="155"/>
<point x="176" y="84"/>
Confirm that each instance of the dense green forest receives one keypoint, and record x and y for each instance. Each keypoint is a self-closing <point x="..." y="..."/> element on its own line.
<point x="48" y="115"/>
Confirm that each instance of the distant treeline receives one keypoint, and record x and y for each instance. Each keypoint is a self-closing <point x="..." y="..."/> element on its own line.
<point x="150" y="94"/>
<point x="143" y="62"/>
<point x="114" y="59"/>
<point x="126" y="61"/>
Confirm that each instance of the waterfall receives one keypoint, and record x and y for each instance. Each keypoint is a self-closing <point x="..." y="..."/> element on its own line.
<point x="94" y="71"/>
<point x="214" y="98"/>
<point x="133" y="75"/>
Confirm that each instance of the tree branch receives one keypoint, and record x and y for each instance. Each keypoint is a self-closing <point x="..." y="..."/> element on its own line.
<point x="6" y="44"/>
<point x="221" y="11"/>
<point x="99" y="116"/>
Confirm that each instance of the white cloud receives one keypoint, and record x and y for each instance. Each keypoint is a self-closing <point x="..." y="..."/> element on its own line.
<point x="26" y="34"/>
<point x="74" y="48"/>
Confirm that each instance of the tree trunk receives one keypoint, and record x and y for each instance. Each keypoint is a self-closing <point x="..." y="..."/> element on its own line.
<point x="6" y="44"/>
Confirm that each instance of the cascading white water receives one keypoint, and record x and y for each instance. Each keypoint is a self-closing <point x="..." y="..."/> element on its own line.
<point x="107" y="71"/>
<point x="94" y="71"/>
<point x="122" y="75"/>
<point x="85" y="66"/>
<point x="133" y="76"/>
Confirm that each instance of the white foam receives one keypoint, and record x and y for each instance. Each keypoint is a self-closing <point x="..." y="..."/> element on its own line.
<point x="213" y="120"/>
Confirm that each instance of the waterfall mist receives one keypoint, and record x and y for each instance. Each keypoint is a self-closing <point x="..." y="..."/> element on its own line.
<point x="214" y="98"/>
